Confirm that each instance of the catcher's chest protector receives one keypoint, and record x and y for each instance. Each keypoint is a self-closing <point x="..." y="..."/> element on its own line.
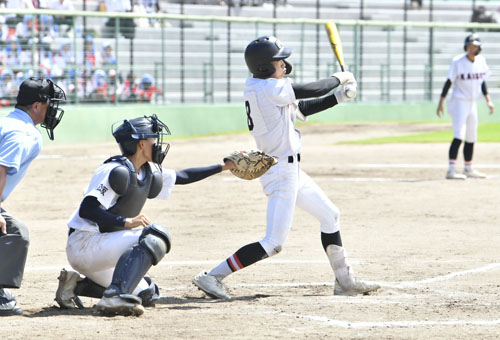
<point x="132" y="191"/>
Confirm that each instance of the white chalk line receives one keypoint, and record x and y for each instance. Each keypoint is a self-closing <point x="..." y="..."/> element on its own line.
<point x="417" y="166"/>
<point x="449" y="276"/>
<point x="345" y="179"/>
<point x="387" y="324"/>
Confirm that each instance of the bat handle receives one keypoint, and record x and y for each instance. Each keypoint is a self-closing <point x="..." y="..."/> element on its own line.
<point x="342" y="68"/>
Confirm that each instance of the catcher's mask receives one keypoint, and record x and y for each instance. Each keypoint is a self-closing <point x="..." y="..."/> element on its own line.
<point x="261" y="51"/>
<point x="45" y="91"/>
<point x="130" y="132"/>
<point x="473" y="39"/>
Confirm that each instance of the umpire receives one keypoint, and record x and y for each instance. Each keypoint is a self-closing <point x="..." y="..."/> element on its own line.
<point x="20" y="142"/>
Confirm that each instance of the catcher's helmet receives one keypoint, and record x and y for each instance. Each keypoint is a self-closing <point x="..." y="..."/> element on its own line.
<point x="472" y="39"/>
<point x="260" y="52"/>
<point x="45" y="91"/>
<point x="130" y="132"/>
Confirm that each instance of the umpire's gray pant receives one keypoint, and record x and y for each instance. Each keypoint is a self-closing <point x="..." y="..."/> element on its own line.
<point x="13" y="251"/>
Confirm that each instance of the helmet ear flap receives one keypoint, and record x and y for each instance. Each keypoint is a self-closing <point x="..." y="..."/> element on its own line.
<point x="265" y="70"/>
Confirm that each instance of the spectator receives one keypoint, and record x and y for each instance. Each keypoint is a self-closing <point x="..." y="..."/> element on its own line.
<point x="89" y="53"/>
<point x="480" y="14"/>
<point x="416" y="3"/>
<point x="146" y="89"/>
<point x="127" y="25"/>
<point x="8" y="86"/>
<point x="26" y="29"/>
<point x="108" y="57"/>
<point x="13" y="55"/>
<point x="45" y="59"/>
<point x="496" y="16"/>
<point x="60" y="21"/>
<point x="4" y="31"/>
<point x="11" y="19"/>
<point x="151" y="6"/>
<point x="128" y="88"/>
<point x="99" y="85"/>
<point x="63" y="60"/>
<point x="46" y="28"/>
<point x="114" y="85"/>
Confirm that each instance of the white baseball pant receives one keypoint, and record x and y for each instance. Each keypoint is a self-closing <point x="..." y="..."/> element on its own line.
<point x="464" y="119"/>
<point x="95" y="254"/>
<point x="286" y="186"/>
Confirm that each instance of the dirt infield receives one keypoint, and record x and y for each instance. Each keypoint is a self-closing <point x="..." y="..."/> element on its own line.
<point x="432" y="244"/>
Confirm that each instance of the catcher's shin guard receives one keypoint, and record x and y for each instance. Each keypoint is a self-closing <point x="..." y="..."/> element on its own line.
<point x="136" y="261"/>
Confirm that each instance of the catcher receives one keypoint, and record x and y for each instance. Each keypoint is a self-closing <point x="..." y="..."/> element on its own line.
<point x="109" y="241"/>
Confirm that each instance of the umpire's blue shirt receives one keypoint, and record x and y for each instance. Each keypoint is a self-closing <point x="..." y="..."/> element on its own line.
<point x="20" y="143"/>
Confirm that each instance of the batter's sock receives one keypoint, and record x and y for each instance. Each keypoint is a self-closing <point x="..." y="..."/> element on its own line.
<point x="453" y="152"/>
<point x="328" y="239"/>
<point x="244" y="257"/>
<point x="468" y="166"/>
<point x="468" y="151"/>
<point x="452" y="164"/>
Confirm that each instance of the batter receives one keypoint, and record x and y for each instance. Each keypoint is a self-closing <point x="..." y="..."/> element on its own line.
<point x="272" y="105"/>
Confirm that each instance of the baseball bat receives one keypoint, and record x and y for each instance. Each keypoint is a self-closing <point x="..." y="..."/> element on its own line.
<point x="335" y="42"/>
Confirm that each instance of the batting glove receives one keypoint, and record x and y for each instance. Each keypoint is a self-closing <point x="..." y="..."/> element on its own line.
<point x="347" y="92"/>
<point x="344" y="77"/>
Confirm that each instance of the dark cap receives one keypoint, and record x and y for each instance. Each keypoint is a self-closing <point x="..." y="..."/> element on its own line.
<point x="35" y="90"/>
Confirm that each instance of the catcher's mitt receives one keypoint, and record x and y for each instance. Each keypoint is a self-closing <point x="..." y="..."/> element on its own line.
<point x="251" y="164"/>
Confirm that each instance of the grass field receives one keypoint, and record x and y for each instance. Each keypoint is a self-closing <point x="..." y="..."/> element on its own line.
<point x="487" y="132"/>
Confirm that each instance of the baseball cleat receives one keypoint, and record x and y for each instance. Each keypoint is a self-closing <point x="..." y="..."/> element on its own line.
<point x="212" y="285"/>
<point x="358" y="287"/>
<point x="474" y="174"/>
<point x="65" y="294"/>
<point x="452" y="174"/>
<point x="121" y="305"/>
<point x="8" y="304"/>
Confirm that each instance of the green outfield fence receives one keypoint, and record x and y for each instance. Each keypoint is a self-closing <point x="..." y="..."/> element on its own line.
<point x="92" y="123"/>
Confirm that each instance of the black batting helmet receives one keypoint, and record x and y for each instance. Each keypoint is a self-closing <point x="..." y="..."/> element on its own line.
<point x="260" y="52"/>
<point x="130" y="132"/>
<point x="472" y="39"/>
<point x="45" y="91"/>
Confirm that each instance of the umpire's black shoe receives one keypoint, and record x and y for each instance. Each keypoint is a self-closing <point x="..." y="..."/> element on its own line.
<point x="8" y="304"/>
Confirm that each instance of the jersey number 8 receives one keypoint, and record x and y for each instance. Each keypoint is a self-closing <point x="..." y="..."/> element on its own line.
<point x="249" y="118"/>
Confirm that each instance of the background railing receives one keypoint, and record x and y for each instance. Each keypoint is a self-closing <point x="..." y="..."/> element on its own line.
<point x="177" y="58"/>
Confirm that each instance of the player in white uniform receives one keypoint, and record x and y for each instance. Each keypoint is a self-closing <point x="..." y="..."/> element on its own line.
<point x="272" y="106"/>
<point x="467" y="73"/>
<point x="110" y="241"/>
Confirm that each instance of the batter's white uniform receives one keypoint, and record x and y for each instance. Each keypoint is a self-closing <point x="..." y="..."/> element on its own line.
<point x="467" y="77"/>
<point x="271" y="111"/>
<point x="95" y="254"/>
